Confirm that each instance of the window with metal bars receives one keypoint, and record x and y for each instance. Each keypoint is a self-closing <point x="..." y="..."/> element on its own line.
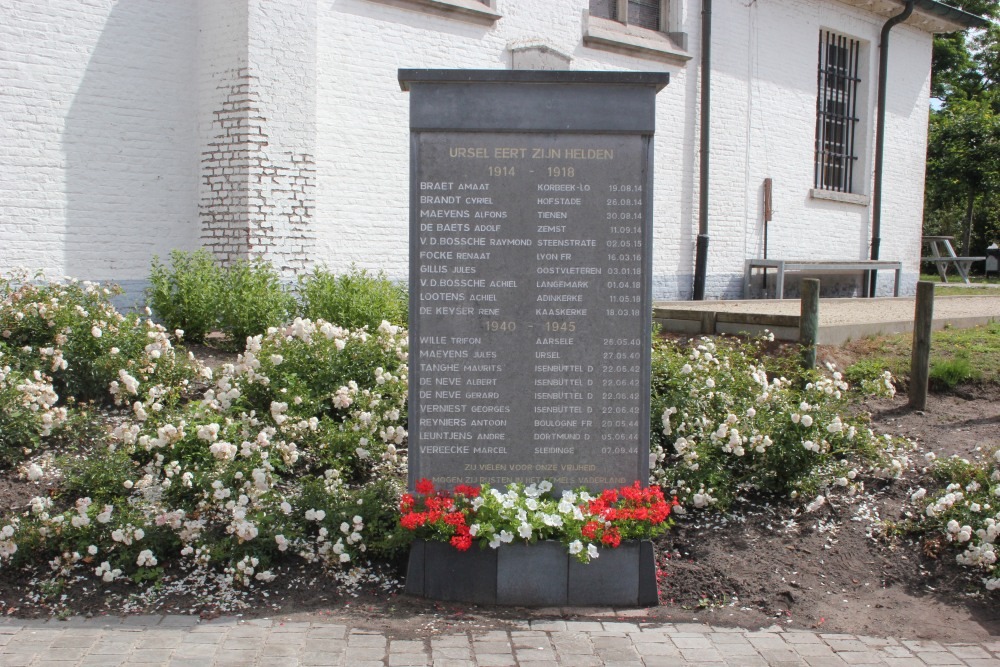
<point x="837" y="112"/>
<point x="642" y="13"/>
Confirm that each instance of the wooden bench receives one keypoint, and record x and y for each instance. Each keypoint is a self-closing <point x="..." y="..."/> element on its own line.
<point x="943" y="256"/>
<point x="784" y="266"/>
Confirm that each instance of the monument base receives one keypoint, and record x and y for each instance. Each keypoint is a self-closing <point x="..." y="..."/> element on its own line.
<point x="542" y="574"/>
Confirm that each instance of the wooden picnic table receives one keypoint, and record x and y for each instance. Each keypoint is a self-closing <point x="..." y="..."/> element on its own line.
<point x="943" y="256"/>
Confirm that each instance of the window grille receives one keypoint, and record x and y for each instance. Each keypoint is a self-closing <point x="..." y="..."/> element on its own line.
<point x="644" y="13"/>
<point x="836" y="112"/>
<point x="641" y="13"/>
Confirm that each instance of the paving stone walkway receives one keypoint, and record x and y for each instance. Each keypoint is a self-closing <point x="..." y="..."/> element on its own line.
<point x="177" y="641"/>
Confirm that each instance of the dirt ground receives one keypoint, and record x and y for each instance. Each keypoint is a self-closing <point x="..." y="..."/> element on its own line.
<point x="836" y="569"/>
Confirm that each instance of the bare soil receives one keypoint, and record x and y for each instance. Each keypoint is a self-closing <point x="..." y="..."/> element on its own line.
<point x="842" y="568"/>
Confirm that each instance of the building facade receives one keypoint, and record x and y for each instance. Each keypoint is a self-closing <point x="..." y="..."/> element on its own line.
<point x="279" y="130"/>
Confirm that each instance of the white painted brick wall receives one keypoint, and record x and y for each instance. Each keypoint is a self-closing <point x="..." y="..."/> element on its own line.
<point x="112" y="108"/>
<point x="97" y="139"/>
<point x="763" y="125"/>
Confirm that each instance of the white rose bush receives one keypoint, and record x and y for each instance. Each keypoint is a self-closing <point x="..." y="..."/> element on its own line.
<point x="965" y="512"/>
<point x="294" y="451"/>
<point x="725" y="427"/>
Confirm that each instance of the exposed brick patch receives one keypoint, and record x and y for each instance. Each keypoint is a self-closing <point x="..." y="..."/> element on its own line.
<point x="256" y="202"/>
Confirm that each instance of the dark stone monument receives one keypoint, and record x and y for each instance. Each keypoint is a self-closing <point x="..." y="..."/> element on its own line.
<point x="530" y="295"/>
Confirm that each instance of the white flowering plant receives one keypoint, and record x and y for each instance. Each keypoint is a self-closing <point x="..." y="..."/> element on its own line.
<point x="724" y="426"/>
<point x="71" y="332"/>
<point x="965" y="513"/>
<point x="28" y="410"/>
<point x="296" y="450"/>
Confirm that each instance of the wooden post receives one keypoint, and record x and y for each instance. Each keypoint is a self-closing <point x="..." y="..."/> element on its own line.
<point x="809" y="322"/>
<point x="920" y="358"/>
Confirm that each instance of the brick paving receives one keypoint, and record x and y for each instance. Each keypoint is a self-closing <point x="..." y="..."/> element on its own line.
<point x="182" y="641"/>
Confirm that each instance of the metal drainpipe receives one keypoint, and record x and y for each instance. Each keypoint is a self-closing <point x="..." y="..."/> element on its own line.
<point x="701" y="251"/>
<point x="883" y="74"/>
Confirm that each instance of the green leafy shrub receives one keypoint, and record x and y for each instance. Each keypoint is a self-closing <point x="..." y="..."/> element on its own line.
<point x="187" y="294"/>
<point x="354" y="299"/>
<point x="724" y="428"/>
<point x="253" y="301"/>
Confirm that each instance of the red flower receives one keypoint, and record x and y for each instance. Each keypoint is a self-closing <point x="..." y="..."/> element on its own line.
<point x="461" y="542"/>
<point x="590" y="529"/>
<point x="467" y="491"/>
<point x="611" y="537"/>
<point x="407" y="503"/>
<point x="413" y="520"/>
<point x="454" y="519"/>
<point x="424" y="486"/>
<point x="632" y="493"/>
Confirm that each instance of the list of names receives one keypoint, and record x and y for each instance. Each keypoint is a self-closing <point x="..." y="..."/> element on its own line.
<point x="529" y="344"/>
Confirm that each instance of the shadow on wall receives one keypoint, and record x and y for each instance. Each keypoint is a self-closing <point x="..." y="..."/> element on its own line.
<point x="131" y="142"/>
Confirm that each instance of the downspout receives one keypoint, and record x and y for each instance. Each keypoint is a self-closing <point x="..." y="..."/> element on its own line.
<point x="701" y="250"/>
<point x="883" y="74"/>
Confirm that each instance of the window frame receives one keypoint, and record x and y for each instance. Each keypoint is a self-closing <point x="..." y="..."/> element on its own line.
<point x="621" y="8"/>
<point x="667" y="43"/>
<point x="477" y="11"/>
<point x="837" y="159"/>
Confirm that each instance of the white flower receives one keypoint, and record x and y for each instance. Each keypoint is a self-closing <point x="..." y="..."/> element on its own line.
<point x="315" y="515"/>
<point x="96" y="332"/>
<point x="34" y="473"/>
<point x="807" y="420"/>
<point x="575" y="547"/>
<point x="146" y="559"/>
<point x="592" y="551"/>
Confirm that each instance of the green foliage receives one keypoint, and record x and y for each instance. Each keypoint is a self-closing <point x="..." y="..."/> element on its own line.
<point x="101" y="478"/>
<point x="724" y="427"/>
<point x="949" y="373"/>
<point x="963" y="164"/>
<point x="187" y="294"/>
<point x="198" y="295"/>
<point x="354" y="299"/>
<point x="255" y="300"/>
<point x="962" y="159"/>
